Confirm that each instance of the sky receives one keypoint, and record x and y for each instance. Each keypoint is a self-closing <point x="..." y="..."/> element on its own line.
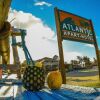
<point x="37" y="17"/>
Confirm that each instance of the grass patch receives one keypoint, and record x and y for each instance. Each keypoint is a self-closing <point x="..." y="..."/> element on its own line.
<point x="92" y="84"/>
<point x="88" y="81"/>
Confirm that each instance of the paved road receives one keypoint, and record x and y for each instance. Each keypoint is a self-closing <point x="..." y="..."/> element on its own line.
<point x="81" y="74"/>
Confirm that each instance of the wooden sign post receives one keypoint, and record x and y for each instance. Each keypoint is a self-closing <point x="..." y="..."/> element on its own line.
<point x="96" y="49"/>
<point x="61" y="62"/>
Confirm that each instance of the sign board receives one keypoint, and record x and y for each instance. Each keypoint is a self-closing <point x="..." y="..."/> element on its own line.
<point x="75" y="28"/>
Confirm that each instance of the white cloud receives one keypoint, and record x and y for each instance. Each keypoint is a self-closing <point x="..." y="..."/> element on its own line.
<point x="71" y="56"/>
<point x="89" y="45"/>
<point x="42" y="3"/>
<point x="39" y="39"/>
<point x="22" y="20"/>
<point x="38" y="34"/>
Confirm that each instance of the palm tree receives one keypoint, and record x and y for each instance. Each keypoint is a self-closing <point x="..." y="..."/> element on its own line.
<point x="87" y="61"/>
<point x="80" y="59"/>
<point x="94" y="61"/>
<point x="74" y="62"/>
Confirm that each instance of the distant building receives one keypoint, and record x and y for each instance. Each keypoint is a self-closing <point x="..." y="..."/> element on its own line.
<point x="50" y="63"/>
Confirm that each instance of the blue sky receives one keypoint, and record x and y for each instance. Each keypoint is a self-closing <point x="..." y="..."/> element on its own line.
<point x="43" y="10"/>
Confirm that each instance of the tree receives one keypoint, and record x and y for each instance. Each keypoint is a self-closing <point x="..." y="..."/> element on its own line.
<point x="80" y="59"/>
<point x="94" y="61"/>
<point x="74" y="62"/>
<point x="87" y="61"/>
